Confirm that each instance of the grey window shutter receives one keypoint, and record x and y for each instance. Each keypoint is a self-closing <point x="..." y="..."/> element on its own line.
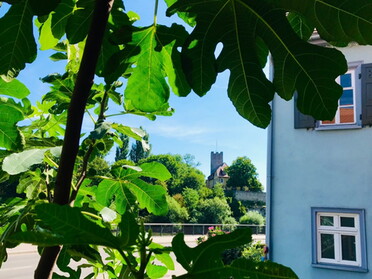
<point x="301" y="120"/>
<point x="366" y="81"/>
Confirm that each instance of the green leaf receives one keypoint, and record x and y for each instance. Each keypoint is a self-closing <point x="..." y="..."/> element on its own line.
<point x="61" y="90"/>
<point x="156" y="271"/>
<point x="241" y="268"/>
<point x="153" y="55"/>
<point x="168" y="40"/>
<point x="69" y="227"/>
<point x="187" y="17"/>
<point x="129" y="230"/>
<point x="17" y="42"/>
<point x="31" y="183"/>
<point x="63" y="262"/>
<point x="148" y="76"/>
<point x="125" y="185"/>
<point x="162" y="255"/>
<point x="43" y="7"/>
<point x="353" y="22"/>
<point x="207" y="254"/>
<point x="100" y="130"/>
<point x="21" y="162"/>
<point x="78" y="24"/>
<point x="134" y="133"/>
<point x="298" y="65"/>
<point x="155" y="170"/>
<point x="108" y="190"/>
<point x="43" y="142"/>
<point x="300" y="25"/>
<point x="10" y="115"/>
<point x="58" y="56"/>
<point x="14" y="88"/>
<point x="151" y="197"/>
<point x="53" y="28"/>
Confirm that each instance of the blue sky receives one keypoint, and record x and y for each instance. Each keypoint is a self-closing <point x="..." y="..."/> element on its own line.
<point x="198" y="126"/>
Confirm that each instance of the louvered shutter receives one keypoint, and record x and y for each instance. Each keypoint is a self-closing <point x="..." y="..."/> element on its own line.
<point x="301" y="120"/>
<point x="366" y="82"/>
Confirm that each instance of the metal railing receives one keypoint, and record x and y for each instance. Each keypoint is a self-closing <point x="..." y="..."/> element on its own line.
<point x="197" y="229"/>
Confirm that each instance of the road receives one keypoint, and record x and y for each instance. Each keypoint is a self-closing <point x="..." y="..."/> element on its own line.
<point x="24" y="258"/>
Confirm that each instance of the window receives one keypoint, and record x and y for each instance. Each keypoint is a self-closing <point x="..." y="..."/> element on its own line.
<point x="346" y="112"/>
<point x="339" y="239"/>
<point x="355" y="105"/>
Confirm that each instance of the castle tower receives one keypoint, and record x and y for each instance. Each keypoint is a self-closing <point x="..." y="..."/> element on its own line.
<point x="216" y="160"/>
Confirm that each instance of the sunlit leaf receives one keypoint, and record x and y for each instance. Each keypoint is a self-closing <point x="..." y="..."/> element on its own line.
<point x="125" y="185"/>
<point x="14" y="88"/>
<point x="53" y="28"/>
<point x="156" y="271"/>
<point x="134" y="133"/>
<point x="162" y="255"/>
<point x="155" y="170"/>
<point x="21" y="162"/>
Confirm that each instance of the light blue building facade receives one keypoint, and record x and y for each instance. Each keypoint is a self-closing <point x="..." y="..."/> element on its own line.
<point x="320" y="182"/>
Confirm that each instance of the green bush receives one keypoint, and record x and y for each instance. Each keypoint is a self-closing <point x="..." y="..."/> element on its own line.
<point x="252" y="218"/>
<point x="254" y="251"/>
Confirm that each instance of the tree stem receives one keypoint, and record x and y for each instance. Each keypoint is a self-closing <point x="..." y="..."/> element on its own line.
<point x="76" y="110"/>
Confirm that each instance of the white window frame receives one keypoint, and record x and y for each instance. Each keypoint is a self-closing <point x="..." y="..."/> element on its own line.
<point x="336" y="230"/>
<point x="358" y="231"/>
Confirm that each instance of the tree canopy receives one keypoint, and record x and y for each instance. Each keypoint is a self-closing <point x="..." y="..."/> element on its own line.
<point x="243" y="174"/>
<point x="183" y="174"/>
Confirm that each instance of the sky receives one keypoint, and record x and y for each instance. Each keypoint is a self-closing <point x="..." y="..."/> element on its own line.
<point x="199" y="125"/>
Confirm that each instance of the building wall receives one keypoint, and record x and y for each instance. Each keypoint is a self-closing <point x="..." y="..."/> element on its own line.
<point x="313" y="168"/>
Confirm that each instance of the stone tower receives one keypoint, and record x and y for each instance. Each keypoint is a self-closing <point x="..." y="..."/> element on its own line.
<point x="216" y="160"/>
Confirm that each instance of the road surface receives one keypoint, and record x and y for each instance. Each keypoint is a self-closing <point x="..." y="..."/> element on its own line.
<point x="24" y="258"/>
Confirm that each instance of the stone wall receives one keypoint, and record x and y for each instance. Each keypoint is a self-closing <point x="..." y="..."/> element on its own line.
<point x="250" y="196"/>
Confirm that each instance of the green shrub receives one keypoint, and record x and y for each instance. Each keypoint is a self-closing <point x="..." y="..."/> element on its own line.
<point x="254" y="251"/>
<point x="252" y="218"/>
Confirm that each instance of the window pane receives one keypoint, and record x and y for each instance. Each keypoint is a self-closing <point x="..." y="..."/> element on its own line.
<point x="347" y="222"/>
<point x="327" y="246"/>
<point x="347" y="115"/>
<point x="347" y="97"/>
<point x="345" y="80"/>
<point x="326" y="220"/>
<point x="348" y="247"/>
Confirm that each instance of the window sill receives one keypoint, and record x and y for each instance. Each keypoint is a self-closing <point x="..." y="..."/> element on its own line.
<point x="338" y="127"/>
<point x="340" y="267"/>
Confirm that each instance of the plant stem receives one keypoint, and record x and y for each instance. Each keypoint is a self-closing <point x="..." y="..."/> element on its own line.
<point x="156" y="12"/>
<point x="83" y="173"/>
<point x="76" y="110"/>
